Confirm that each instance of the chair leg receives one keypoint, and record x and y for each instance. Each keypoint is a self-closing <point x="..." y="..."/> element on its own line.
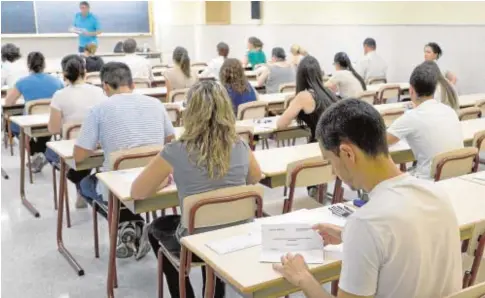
<point x="68" y="211"/>
<point x="334" y="289"/>
<point x="210" y="281"/>
<point x="154" y="215"/>
<point x="163" y="212"/>
<point x="182" y="272"/>
<point x="402" y="167"/>
<point x="160" y="273"/>
<point x="285" y="191"/>
<point x="95" y="229"/>
<point x="477" y="260"/>
<point x="29" y="160"/>
<point x="54" y="186"/>
<point x="10" y="137"/>
<point x="147" y="217"/>
<point x="174" y="210"/>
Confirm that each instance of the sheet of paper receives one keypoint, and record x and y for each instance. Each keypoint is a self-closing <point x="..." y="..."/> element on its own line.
<point x="129" y="175"/>
<point x="297" y="238"/>
<point x="234" y="243"/>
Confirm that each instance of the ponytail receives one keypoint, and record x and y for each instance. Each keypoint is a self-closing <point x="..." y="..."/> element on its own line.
<point x="36" y="62"/>
<point x="73" y="67"/>
<point x="181" y="57"/>
<point x="448" y="93"/>
<point x="344" y="61"/>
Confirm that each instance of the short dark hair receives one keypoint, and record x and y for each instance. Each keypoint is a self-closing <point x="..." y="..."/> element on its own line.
<point x="73" y="67"/>
<point x="278" y="53"/>
<point x="223" y="49"/>
<point x="129" y="46"/>
<point x="435" y="48"/>
<point x="116" y="74"/>
<point x="84" y="3"/>
<point x="355" y="121"/>
<point x="256" y="42"/>
<point x="370" y="42"/>
<point x="424" y="79"/>
<point x="36" y="62"/>
<point x="10" y="52"/>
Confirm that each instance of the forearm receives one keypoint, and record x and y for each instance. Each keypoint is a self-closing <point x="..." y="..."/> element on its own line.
<point x="312" y="289"/>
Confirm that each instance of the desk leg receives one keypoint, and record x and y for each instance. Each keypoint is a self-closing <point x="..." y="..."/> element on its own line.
<point x="60" y="211"/>
<point x="24" y="200"/>
<point x="113" y="236"/>
<point x="4" y="174"/>
<point x="10" y="136"/>
<point x="210" y="281"/>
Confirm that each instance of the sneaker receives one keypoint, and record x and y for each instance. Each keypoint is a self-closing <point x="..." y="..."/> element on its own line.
<point x="126" y="240"/>
<point x="80" y="202"/>
<point x="313" y="192"/>
<point x="38" y="162"/>
<point x="144" y="246"/>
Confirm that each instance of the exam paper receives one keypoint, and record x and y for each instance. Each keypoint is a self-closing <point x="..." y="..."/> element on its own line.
<point x="235" y="243"/>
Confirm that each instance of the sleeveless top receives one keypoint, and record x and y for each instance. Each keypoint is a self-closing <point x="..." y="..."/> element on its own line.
<point x="311" y="120"/>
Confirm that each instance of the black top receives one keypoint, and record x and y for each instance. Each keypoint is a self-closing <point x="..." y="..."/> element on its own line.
<point x="94" y="63"/>
<point x="311" y="120"/>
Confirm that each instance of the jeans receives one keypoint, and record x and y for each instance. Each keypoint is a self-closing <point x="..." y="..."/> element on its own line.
<point x="163" y="229"/>
<point x="37" y="145"/>
<point x="87" y="188"/>
<point x="51" y="156"/>
<point x="80" y="49"/>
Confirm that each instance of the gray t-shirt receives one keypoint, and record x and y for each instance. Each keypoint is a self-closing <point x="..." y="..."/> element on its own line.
<point x="278" y="76"/>
<point x="191" y="179"/>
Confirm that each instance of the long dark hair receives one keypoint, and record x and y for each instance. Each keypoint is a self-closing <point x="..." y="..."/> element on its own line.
<point x="309" y="77"/>
<point x="181" y="57"/>
<point x="73" y="67"/>
<point x="343" y="60"/>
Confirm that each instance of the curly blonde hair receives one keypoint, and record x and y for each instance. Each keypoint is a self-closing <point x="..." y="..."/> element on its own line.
<point x="210" y="127"/>
<point x="232" y="75"/>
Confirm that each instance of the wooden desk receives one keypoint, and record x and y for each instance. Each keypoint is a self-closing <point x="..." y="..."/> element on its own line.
<point x="275" y="101"/>
<point x="469" y="100"/>
<point x="32" y="126"/>
<point x="243" y="271"/>
<point x="158" y="81"/>
<point x="376" y="87"/>
<point x="157" y="92"/>
<point x="15" y="109"/>
<point x="478" y="177"/>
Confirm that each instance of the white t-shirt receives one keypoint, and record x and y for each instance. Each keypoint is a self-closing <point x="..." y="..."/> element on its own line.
<point x="372" y="66"/>
<point x="430" y="129"/>
<point x="140" y="67"/>
<point x="13" y="71"/>
<point x="74" y="101"/>
<point x="213" y="68"/>
<point x="347" y="84"/>
<point x="404" y="243"/>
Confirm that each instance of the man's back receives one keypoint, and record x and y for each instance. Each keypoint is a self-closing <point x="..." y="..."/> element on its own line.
<point x="140" y="67"/>
<point x="372" y="66"/>
<point x="403" y="243"/>
<point x="430" y="129"/>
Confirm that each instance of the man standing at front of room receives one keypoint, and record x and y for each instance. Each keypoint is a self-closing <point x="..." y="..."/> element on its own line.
<point x="85" y="25"/>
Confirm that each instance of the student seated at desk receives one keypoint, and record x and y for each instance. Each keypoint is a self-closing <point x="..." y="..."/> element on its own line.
<point x="124" y="120"/>
<point x="139" y="66"/>
<point x="181" y="75"/>
<point x="431" y="127"/>
<point x="93" y="62"/>
<point x="37" y="85"/>
<point x="298" y="53"/>
<point x="201" y="160"/>
<point x="445" y="91"/>
<point x="405" y="241"/>
<point x="13" y="68"/>
<point x="276" y="73"/>
<point x="372" y="65"/>
<point x="345" y="80"/>
<point x="214" y="67"/>
<point x="255" y="54"/>
<point x="433" y="52"/>
<point x="237" y="85"/>
<point x="71" y="105"/>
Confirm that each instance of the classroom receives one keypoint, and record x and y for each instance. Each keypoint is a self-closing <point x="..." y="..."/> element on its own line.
<point x="242" y="149"/>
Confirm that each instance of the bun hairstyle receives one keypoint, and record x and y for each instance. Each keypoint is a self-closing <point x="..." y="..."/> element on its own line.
<point x="73" y="67"/>
<point x="91" y="48"/>
<point x="435" y="48"/>
<point x="343" y="60"/>
<point x="182" y="59"/>
<point x="298" y="50"/>
<point x="256" y="42"/>
<point x="36" y="62"/>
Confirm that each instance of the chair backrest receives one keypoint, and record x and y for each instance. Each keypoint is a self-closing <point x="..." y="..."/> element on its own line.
<point x="133" y="157"/>
<point x="210" y="209"/>
<point x="142" y="83"/>
<point x="475" y="249"/>
<point x="177" y="95"/>
<point x="70" y="130"/>
<point x="288" y="87"/>
<point x="368" y="96"/>
<point x="199" y="64"/>
<point x="372" y="81"/>
<point x="38" y="106"/>
<point x="481" y="105"/>
<point x="308" y="172"/>
<point x="454" y="163"/>
<point x="388" y="91"/>
<point x="159" y="69"/>
<point x="476" y="291"/>
<point x="92" y="77"/>
<point x="246" y="134"/>
<point x="479" y="141"/>
<point x="391" y="115"/>
<point x="252" y="110"/>
<point x="469" y="113"/>
<point x="174" y="112"/>
<point x="287" y="101"/>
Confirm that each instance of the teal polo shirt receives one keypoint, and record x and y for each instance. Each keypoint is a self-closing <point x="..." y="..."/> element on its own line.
<point x="89" y="23"/>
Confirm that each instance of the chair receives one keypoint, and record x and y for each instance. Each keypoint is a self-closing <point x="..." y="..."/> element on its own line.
<point x="477" y="291"/>
<point x="303" y="173"/>
<point x="159" y="69"/>
<point x="479" y="143"/>
<point x="288" y="87"/>
<point x="481" y="105"/>
<point x="174" y="112"/>
<point x="122" y="160"/>
<point x="388" y="91"/>
<point x="177" y="95"/>
<point x="391" y="115"/>
<point x="142" y="83"/>
<point x="199" y="64"/>
<point x="454" y="163"/>
<point x="252" y="110"/>
<point x="206" y="210"/>
<point x="469" y="113"/>
<point x="372" y="81"/>
<point x="474" y="250"/>
<point x="368" y="96"/>
<point x="93" y="78"/>
<point x="246" y="134"/>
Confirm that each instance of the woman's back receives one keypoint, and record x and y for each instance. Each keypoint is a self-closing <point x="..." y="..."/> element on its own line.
<point x="256" y="57"/>
<point x="38" y="86"/>
<point x="347" y="84"/>
<point x="237" y="98"/>
<point x="178" y="80"/>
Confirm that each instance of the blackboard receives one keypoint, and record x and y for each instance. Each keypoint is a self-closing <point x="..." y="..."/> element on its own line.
<point x="58" y="16"/>
<point x="11" y="11"/>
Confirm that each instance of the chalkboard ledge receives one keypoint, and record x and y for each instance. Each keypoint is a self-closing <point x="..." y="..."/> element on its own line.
<point x="71" y="35"/>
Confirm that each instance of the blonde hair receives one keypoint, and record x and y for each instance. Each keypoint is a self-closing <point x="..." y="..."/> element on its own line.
<point x="297" y="50"/>
<point x="210" y="127"/>
<point x="91" y="48"/>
